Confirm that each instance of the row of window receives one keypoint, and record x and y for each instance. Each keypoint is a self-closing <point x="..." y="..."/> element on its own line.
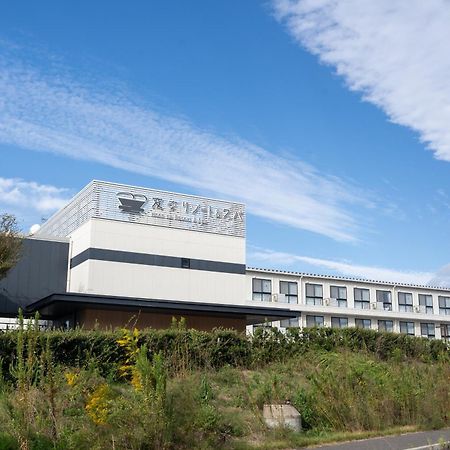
<point x="262" y="291"/>
<point x="426" y="329"/>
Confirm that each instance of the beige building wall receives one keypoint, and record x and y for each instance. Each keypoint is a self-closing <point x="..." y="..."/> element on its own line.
<point x="155" y="282"/>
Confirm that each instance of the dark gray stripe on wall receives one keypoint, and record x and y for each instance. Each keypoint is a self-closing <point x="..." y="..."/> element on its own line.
<point x="100" y="254"/>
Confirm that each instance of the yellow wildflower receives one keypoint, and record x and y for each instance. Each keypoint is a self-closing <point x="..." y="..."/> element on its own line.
<point x="71" y="378"/>
<point x="97" y="405"/>
<point x="130" y="343"/>
<point x="136" y="379"/>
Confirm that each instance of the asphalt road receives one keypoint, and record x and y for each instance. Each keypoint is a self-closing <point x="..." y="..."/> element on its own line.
<point x="410" y="441"/>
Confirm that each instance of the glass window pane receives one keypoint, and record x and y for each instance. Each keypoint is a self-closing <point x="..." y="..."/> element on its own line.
<point x="362" y="294"/>
<point x="425" y="300"/>
<point x="318" y="290"/>
<point x="363" y="323"/>
<point x="386" y="325"/>
<point x="407" y="327"/>
<point x="310" y="290"/>
<point x="287" y="323"/>
<point x="293" y="288"/>
<point x="339" y="322"/>
<point x="267" y="286"/>
<point x="257" y="285"/>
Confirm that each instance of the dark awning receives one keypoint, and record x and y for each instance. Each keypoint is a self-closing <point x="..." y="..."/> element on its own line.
<point x="60" y="305"/>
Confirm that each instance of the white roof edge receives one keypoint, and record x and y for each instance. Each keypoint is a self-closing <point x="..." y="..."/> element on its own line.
<point x="166" y="192"/>
<point x="338" y="278"/>
<point x="48" y="238"/>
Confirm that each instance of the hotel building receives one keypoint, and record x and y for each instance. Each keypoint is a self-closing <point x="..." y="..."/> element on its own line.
<point x="118" y="254"/>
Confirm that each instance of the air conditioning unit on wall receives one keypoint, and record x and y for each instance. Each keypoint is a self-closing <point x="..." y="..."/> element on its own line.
<point x="281" y="298"/>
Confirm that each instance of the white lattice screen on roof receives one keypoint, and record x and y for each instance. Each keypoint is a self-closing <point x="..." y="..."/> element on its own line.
<point x="146" y="206"/>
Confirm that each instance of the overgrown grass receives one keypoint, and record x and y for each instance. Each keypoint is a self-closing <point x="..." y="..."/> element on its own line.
<point x="185" y="350"/>
<point x="136" y="394"/>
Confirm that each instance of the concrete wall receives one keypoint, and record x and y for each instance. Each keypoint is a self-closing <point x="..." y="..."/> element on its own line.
<point x="157" y="282"/>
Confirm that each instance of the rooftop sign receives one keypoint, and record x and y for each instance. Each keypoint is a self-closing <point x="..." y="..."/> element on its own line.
<point x="147" y="206"/>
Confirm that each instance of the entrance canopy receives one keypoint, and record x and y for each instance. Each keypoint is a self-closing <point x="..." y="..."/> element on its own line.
<point x="62" y="305"/>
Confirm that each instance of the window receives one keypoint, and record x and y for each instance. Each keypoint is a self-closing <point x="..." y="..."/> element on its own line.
<point x="426" y="303"/>
<point x="407" y="328"/>
<point x="444" y="305"/>
<point x="445" y="331"/>
<point x="405" y="302"/>
<point x="289" y="323"/>
<point x="362" y="298"/>
<point x="386" y="325"/>
<point x="427" y="330"/>
<point x="314" y="294"/>
<point x="340" y="294"/>
<point x="314" y="321"/>
<point x="363" y="323"/>
<point x="339" y="322"/>
<point x="290" y="290"/>
<point x="185" y="263"/>
<point x="385" y="298"/>
<point x="262" y="290"/>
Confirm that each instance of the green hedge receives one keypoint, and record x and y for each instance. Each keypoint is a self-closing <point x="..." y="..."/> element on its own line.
<point x="190" y="349"/>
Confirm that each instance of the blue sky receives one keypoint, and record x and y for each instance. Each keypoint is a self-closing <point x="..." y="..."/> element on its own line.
<point x="329" y="122"/>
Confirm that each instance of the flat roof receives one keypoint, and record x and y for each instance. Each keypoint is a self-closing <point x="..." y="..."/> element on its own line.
<point x="338" y="278"/>
<point x="62" y="304"/>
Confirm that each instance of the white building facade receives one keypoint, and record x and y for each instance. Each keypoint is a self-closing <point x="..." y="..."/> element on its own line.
<point x="345" y="302"/>
<point x="129" y="250"/>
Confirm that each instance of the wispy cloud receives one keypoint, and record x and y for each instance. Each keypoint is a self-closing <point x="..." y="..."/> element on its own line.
<point x="394" y="52"/>
<point x="344" y="268"/>
<point x="28" y="198"/>
<point x="56" y="113"/>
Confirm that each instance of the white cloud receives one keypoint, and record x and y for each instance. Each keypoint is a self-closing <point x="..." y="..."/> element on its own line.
<point x="395" y="52"/>
<point x="56" y="114"/>
<point x="343" y="268"/>
<point x="20" y="196"/>
<point x="442" y="277"/>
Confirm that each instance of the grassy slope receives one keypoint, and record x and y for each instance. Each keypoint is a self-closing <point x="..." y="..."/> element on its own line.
<point x="190" y="398"/>
<point x="340" y="396"/>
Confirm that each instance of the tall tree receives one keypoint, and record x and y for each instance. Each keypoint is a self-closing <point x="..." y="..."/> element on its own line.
<point x="10" y="243"/>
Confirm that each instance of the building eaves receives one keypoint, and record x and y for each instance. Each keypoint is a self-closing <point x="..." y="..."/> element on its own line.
<point x="353" y="279"/>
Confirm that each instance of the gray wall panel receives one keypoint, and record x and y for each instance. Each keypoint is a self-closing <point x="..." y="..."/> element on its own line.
<point x="41" y="271"/>
<point x="101" y="254"/>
